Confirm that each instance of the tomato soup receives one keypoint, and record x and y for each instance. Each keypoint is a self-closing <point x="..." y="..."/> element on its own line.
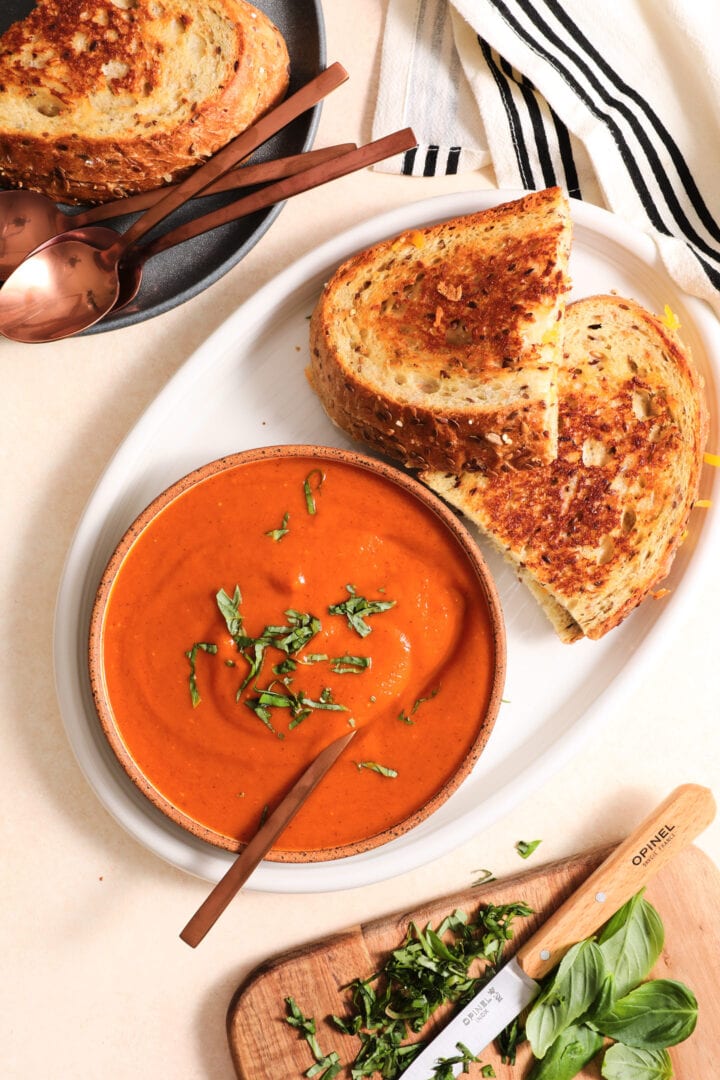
<point x="272" y="603"/>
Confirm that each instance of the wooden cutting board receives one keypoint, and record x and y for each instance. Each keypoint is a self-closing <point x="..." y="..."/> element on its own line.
<point x="686" y="893"/>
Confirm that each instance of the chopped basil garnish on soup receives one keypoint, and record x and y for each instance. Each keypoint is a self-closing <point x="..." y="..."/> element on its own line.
<point x="374" y="767"/>
<point x="199" y="646"/>
<point x="343" y="665"/>
<point x="308" y="489"/>
<point x="299" y="705"/>
<point x="406" y="717"/>
<point x="357" y="608"/>
<point x="230" y="610"/>
<point x="277" y="534"/>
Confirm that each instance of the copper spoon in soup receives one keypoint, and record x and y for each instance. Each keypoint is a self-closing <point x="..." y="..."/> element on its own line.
<point x="130" y="270"/>
<point x="67" y="286"/>
<point x="218" y="899"/>
<point x="28" y="218"/>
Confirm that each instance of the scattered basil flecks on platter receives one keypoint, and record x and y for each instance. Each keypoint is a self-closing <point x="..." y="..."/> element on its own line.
<point x="525" y="848"/>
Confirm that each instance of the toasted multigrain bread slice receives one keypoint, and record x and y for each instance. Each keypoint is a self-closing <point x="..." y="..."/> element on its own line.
<point x="439" y="347"/>
<point x="102" y="98"/>
<point x="596" y="531"/>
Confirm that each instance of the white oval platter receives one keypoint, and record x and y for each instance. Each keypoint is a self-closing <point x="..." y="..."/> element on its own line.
<point x="246" y="387"/>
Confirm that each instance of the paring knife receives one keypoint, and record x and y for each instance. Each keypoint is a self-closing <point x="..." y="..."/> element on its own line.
<point x="674" y="823"/>
<point x="218" y="899"/>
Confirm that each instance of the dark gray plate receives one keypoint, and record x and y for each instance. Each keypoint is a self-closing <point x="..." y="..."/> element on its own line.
<point x="175" y="276"/>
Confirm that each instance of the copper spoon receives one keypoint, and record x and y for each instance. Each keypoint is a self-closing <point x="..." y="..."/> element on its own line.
<point x="130" y="270"/>
<point x="28" y="218"/>
<point x="227" y="887"/>
<point x="65" y="287"/>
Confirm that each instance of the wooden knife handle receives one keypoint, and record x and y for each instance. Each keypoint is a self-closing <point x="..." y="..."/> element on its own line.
<point x="671" y="826"/>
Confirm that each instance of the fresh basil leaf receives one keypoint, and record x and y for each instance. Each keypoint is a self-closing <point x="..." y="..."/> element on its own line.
<point x="631" y="943"/>
<point x="485" y="877"/>
<point x="307" y="488"/>
<point x="567" y="996"/>
<point x="357" y="608"/>
<point x="629" y="1063"/>
<point x="444" y="1068"/>
<point x="509" y="1040"/>
<point x="325" y="701"/>
<point x="191" y="654"/>
<point x="263" y="713"/>
<point x="570" y="1052"/>
<point x="407" y="717"/>
<point x="300" y="629"/>
<point x="254" y="653"/>
<point x="654" y="1015"/>
<point x="374" y="767"/>
<point x="277" y="534"/>
<point x="327" y="1066"/>
<point x="430" y="969"/>
<point x="230" y="610"/>
<point x="349" y="664"/>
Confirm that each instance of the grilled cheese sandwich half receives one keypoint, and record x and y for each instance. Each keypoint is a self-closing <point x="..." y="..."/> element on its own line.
<point x="440" y="347"/>
<point x="593" y="533"/>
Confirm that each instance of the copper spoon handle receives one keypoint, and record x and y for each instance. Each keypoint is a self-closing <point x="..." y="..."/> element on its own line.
<point x="267" y="126"/>
<point x="241" y="176"/>
<point x="215" y="903"/>
<point x="345" y="163"/>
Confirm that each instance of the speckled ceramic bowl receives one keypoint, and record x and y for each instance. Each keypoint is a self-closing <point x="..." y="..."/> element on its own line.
<point x="158" y="524"/>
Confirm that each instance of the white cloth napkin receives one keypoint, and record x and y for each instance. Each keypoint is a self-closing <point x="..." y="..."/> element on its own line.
<point x="617" y="101"/>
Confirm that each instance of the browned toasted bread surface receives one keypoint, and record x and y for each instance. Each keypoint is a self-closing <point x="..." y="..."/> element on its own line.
<point x="101" y="98"/>
<point x="439" y="347"/>
<point x="594" y="532"/>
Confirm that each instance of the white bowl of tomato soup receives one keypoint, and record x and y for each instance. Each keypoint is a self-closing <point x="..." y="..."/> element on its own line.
<point x="265" y="604"/>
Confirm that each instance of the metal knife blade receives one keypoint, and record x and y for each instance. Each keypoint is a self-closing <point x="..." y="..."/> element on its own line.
<point x="478" y="1022"/>
<point x="671" y="826"/>
<point x="234" y="878"/>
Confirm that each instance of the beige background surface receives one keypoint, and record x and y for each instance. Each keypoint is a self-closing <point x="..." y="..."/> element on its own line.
<point x="96" y="983"/>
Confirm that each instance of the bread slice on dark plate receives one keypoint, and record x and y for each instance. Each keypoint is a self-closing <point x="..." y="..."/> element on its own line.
<point x="103" y="98"/>
<point x="440" y="347"/>
<point x="595" y="532"/>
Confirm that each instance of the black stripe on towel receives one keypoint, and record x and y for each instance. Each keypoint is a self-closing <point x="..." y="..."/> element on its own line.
<point x="431" y="157"/>
<point x="453" y="161"/>
<point x="656" y="124"/>
<point x="516" y="133"/>
<point x="604" y="112"/>
<point x="409" y="161"/>
<point x="538" y="127"/>
<point x="572" y="180"/>
<point x="539" y="130"/>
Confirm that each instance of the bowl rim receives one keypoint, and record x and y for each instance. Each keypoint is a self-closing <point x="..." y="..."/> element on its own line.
<point x="375" y="466"/>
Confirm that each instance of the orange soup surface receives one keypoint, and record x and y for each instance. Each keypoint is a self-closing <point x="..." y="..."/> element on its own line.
<point x="270" y="607"/>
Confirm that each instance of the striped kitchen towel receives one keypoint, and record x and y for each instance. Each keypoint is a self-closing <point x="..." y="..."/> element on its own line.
<point x="615" y="101"/>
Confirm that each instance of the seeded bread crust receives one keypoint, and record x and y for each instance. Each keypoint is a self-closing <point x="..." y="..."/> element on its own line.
<point x="439" y="348"/>
<point x="103" y="98"/>
<point x="595" y="532"/>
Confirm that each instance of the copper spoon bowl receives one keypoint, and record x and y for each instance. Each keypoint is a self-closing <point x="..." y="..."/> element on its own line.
<point x="28" y="218"/>
<point x="65" y="287"/>
<point x="130" y="269"/>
